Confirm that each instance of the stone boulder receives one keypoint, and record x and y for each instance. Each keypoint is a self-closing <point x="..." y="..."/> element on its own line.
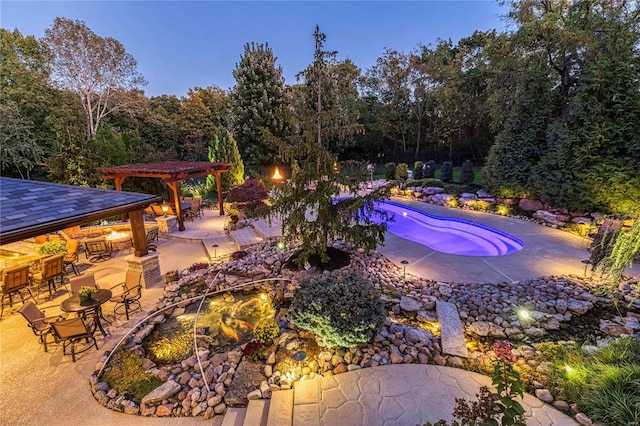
<point x="409" y="304"/>
<point x="483" y="194"/>
<point x="164" y="391"/>
<point x="548" y="217"/>
<point x="432" y="190"/>
<point x="529" y="205"/>
<point x="441" y="198"/>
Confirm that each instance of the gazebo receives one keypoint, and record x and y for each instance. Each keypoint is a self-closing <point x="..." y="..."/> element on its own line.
<point x="171" y="173"/>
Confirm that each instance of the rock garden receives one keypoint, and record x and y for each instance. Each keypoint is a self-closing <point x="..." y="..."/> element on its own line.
<point x="551" y="322"/>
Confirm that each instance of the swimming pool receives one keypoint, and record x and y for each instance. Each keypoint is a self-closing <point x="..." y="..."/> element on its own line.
<point x="447" y="234"/>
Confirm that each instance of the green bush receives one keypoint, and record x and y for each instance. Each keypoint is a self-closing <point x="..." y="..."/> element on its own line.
<point x="402" y="171"/>
<point x="466" y="174"/>
<point x="432" y="183"/>
<point x="446" y="172"/>
<point x="390" y="171"/>
<point x="266" y="330"/>
<point x="418" y="170"/>
<point x="126" y="375"/>
<point x="343" y="309"/>
<point x="53" y="247"/>
<point x="429" y="170"/>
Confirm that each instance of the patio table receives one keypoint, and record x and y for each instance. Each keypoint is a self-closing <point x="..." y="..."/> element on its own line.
<point x="73" y="304"/>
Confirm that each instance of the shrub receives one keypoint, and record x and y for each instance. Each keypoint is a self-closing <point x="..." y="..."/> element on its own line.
<point x="466" y="173"/>
<point x="254" y="351"/>
<point x="446" y="172"/>
<point x="432" y="182"/>
<point x="402" y="171"/>
<point x="53" y="247"/>
<point x="266" y="330"/>
<point x="126" y="375"/>
<point x="342" y="309"/>
<point x="251" y="191"/>
<point x="429" y="170"/>
<point x="418" y="170"/>
<point x="390" y="171"/>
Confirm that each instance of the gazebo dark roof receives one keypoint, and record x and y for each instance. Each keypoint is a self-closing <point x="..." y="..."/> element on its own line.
<point x="29" y="208"/>
<point x="165" y="170"/>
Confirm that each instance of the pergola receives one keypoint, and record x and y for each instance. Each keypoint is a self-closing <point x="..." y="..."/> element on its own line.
<point x="30" y="208"/>
<point x="171" y="173"/>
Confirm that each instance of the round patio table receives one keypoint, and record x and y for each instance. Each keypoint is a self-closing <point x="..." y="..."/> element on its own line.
<point x="73" y="304"/>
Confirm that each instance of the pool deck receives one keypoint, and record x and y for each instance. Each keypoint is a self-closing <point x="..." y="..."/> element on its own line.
<point x="546" y="251"/>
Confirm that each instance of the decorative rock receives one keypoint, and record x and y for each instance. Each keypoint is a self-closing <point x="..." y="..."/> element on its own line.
<point x="208" y="413"/>
<point x="219" y="409"/>
<point x="481" y="328"/>
<point x="544" y="395"/>
<point x="579" y="306"/>
<point x="529" y="205"/>
<point x="561" y="405"/>
<point x="214" y="400"/>
<point x="409" y="304"/>
<point x="582" y="419"/>
<point x="396" y="356"/>
<point x="164" y="410"/>
<point x="164" y="391"/>
<point x="268" y="370"/>
<point x="340" y="368"/>
<point x="255" y="394"/>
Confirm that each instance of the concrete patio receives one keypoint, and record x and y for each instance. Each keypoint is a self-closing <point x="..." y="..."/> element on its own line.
<point x="47" y="388"/>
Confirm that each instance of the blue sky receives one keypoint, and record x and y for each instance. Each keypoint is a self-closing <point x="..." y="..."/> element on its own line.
<point x="180" y="45"/>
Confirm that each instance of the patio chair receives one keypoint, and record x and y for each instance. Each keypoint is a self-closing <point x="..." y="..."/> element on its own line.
<point x="87" y="280"/>
<point x="15" y="280"/>
<point x="52" y="269"/>
<point x="152" y="238"/>
<point x="39" y="323"/>
<point x="71" y="257"/>
<point x="129" y="299"/>
<point x="97" y="249"/>
<point x="196" y="208"/>
<point x="70" y="332"/>
<point x="158" y="210"/>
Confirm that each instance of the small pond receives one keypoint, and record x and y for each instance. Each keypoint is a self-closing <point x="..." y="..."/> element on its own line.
<point x="225" y="322"/>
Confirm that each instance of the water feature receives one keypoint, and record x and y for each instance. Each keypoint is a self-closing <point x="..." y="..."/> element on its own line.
<point x="447" y="234"/>
<point x="225" y="322"/>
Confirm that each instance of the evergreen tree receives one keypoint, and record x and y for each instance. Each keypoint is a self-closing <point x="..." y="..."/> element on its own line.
<point x="225" y="150"/>
<point x="466" y="173"/>
<point x="307" y="204"/>
<point x="256" y="99"/>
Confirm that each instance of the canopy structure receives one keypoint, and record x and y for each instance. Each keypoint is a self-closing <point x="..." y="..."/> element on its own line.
<point x="171" y="173"/>
<point x="30" y="208"/>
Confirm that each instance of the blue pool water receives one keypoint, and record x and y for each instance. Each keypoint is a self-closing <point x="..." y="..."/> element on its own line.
<point x="448" y="235"/>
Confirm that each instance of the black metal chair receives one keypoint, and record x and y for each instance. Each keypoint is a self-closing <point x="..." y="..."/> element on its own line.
<point x="97" y="249"/>
<point x="39" y="323"/>
<point x="72" y="331"/>
<point x="152" y="238"/>
<point x="129" y="299"/>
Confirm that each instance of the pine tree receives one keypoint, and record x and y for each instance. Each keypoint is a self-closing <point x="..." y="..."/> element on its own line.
<point x="256" y="99"/>
<point x="225" y="150"/>
<point x="307" y="203"/>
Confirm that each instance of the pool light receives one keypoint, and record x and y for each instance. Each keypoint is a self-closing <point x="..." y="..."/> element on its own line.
<point x="404" y="214"/>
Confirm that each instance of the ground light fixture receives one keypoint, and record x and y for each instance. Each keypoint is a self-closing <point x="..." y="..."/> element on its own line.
<point x="523" y="314"/>
<point x="215" y="250"/>
<point x="299" y="357"/>
<point x="404" y="268"/>
<point x="586" y="262"/>
<point x="281" y="245"/>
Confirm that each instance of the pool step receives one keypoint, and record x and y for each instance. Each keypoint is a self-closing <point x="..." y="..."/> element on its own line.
<point x="452" y="335"/>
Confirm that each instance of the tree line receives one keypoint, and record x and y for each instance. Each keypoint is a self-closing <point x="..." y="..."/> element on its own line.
<point x="551" y="107"/>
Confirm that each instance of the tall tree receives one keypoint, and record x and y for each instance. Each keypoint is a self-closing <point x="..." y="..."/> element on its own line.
<point x="19" y="150"/>
<point x="255" y="101"/>
<point x="225" y="150"/>
<point x="196" y="125"/>
<point x="311" y="216"/>
<point x="97" y="69"/>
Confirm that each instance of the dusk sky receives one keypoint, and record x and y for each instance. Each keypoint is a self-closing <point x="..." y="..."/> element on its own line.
<point x="181" y="45"/>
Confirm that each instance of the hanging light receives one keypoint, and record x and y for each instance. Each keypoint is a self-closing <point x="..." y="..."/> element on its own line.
<point x="276" y="174"/>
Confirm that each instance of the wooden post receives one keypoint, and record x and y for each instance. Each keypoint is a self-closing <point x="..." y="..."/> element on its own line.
<point x="175" y="188"/>
<point x="219" y="189"/>
<point x="138" y="233"/>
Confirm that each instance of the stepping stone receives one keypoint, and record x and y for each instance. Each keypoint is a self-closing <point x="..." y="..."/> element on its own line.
<point x="266" y="231"/>
<point x="306" y="408"/>
<point x="234" y="417"/>
<point x="257" y="411"/>
<point x="245" y="237"/>
<point x="452" y="336"/>
<point x="281" y="410"/>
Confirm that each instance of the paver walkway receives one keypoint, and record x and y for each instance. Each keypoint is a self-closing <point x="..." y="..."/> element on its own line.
<point x="410" y="395"/>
